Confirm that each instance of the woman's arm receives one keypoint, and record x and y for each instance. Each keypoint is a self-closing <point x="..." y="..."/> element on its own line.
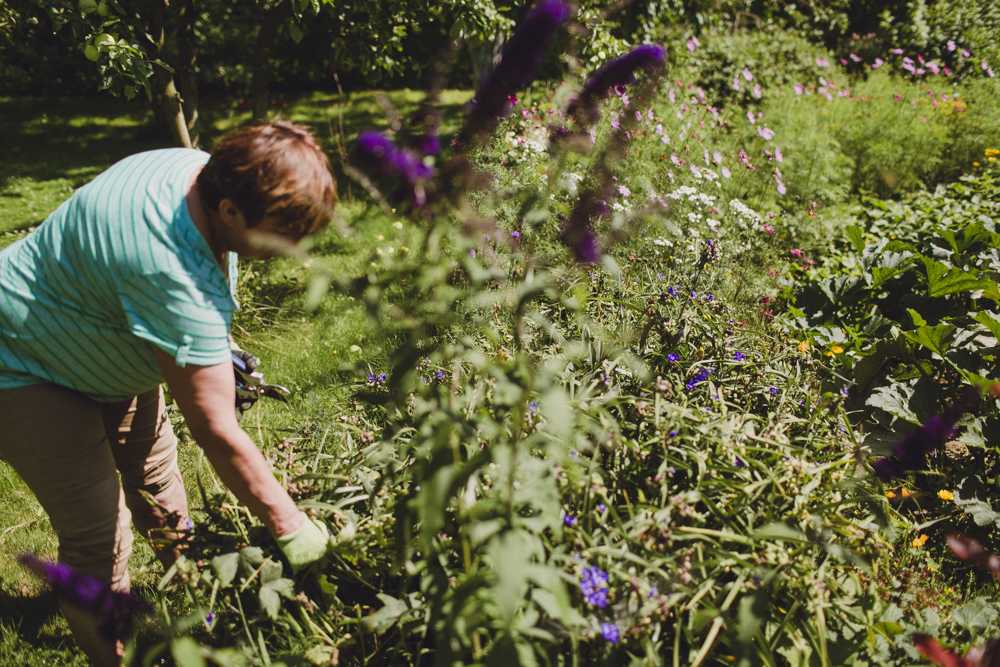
<point x="206" y="396"/>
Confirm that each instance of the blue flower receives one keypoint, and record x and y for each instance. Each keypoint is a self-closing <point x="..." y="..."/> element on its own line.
<point x="570" y="520"/>
<point x="382" y="378"/>
<point x="533" y="407"/>
<point x="439" y="374"/>
<point x="672" y="291"/>
<point x="610" y="632"/>
<point x="739" y="462"/>
<point x="660" y="276"/>
<point x="673" y="357"/>
<point x="371" y="377"/>
<point x="672" y="434"/>
<point x="594" y="586"/>
<point x="774" y="391"/>
<point x="738" y="356"/>
<point x="601" y="507"/>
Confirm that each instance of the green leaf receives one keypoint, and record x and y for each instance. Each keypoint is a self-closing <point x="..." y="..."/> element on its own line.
<point x="386" y="617"/>
<point x="225" y="567"/>
<point x="250" y="559"/>
<point x="779" y="532"/>
<point x="918" y="321"/>
<point x="990" y="321"/>
<point x="937" y="338"/>
<point x="271" y="594"/>
<point x="856" y="236"/>
<point x="943" y="280"/>
<point x="270" y="571"/>
<point x="894" y="399"/>
<point x="187" y="653"/>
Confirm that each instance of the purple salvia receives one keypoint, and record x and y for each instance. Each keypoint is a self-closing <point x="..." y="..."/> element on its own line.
<point x="518" y="66"/>
<point x="114" y="611"/>
<point x="619" y="72"/>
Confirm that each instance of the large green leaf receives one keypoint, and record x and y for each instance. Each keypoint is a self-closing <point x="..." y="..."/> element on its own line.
<point x="225" y="567"/>
<point x="186" y="652"/>
<point x="271" y="594"/>
<point x="942" y="279"/>
<point x="937" y="339"/>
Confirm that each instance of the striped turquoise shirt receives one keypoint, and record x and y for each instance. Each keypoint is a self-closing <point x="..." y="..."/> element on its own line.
<point x="117" y="267"/>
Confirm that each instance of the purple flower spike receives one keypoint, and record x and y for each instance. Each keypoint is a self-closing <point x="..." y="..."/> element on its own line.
<point x="115" y="612"/>
<point x="380" y="152"/>
<point x="617" y="73"/>
<point x="516" y="69"/>
<point x="911" y="453"/>
<point x="587" y="248"/>
<point x="610" y="632"/>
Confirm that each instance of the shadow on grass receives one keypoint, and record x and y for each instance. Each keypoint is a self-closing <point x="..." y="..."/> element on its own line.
<point x="32" y="617"/>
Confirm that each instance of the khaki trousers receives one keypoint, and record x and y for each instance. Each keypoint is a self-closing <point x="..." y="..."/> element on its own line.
<point x="70" y="449"/>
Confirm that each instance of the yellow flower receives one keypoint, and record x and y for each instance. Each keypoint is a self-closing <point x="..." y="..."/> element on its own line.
<point x="919" y="542"/>
<point x="890" y="494"/>
<point x="905" y="493"/>
<point x="804" y="346"/>
<point x="836" y="349"/>
<point x="975" y="164"/>
<point x="992" y="159"/>
<point x="944" y="494"/>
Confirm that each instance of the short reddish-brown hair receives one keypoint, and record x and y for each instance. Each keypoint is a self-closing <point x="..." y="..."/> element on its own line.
<point x="270" y="170"/>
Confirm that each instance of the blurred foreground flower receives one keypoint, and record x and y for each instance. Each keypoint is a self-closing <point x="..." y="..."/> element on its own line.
<point x="377" y="151"/>
<point x="619" y="72"/>
<point x="115" y="612"/>
<point x="516" y="69"/>
<point x="911" y="453"/>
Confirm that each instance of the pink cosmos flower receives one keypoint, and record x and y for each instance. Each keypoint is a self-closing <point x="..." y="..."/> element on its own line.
<point x="878" y="63"/>
<point x="933" y="68"/>
<point x="855" y="58"/>
<point x="798" y="89"/>
<point x="614" y="122"/>
<point x="781" y="188"/>
<point x="658" y="129"/>
<point x="898" y="97"/>
<point x="717" y="156"/>
<point x="765" y="133"/>
<point x="751" y="118"/>
<point x="756" y="90"/>
<point x="690" y="45"/>
<point x="725" y="172"/>
<point x="695" y="171"/>
<point x="747" y="74"/>
<point x="671" y="96"/>
<point x="966" y="54"/>
<point x="777" y="154"/>
<point x="984" y="65"/>
<point x="897" y="52"/>
<point x="796" y="253"/>
<point x="649" y="113"/>
<point x="951" y="45"/>
<point x="707" y="161"/>
<point x="736" y="82"/>
<point x="822" y="62"/>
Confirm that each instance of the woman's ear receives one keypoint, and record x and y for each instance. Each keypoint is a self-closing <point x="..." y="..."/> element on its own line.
<point x="231" y="214"/>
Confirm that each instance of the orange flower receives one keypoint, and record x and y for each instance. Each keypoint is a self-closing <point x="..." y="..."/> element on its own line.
<point x="919" y="542"/>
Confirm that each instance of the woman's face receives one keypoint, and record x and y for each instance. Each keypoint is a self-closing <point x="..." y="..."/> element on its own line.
<point x="261" y="241"/>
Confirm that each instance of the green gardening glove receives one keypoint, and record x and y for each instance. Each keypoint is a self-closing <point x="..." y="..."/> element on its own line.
<point x="306" y="544"/>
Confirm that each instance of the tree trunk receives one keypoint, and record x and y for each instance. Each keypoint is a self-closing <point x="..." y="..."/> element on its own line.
<point x="186" y="74"/>
<point x="261" y="69"/>
<point x="164" y="92"/>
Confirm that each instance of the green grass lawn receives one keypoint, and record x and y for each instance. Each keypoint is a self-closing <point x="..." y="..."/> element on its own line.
<point x="55" y="146"/>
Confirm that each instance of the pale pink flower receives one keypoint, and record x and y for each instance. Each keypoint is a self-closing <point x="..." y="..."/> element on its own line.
<point x="756" y="90"/>
<point x="781" y="188"/>
<point x="966" y="54"/>
<point x="878" y="63"/>
<point x="736" y="82"/>
<point x="822" y="62"/>
<point x="751" y="118"/>
<point x="659" y="129"/>
<point x="649" y="113"/>
<point x="765" y="133"/>
<point x="951" y="45"/>
<point x="717" y="156"/>
<point x="725" y="172"/>
<point x="798" y="89"/>
<point x="695" y="171"/>
<point x="671" y="96"/>
<point x="638" y="116"/>
<point x="933" y="68"/>
<point x="777" y="154"/>
<point x="898" y="52"/>
<point x="984" y="65"/>
<point x="855" y="58"/>
<point x="747" y="74"/>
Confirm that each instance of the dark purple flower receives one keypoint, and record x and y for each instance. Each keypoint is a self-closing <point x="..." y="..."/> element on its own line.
<point x="911" y="453"/>
<point x="516" y="69"/>
<point x="673" y="357"/>
<point x="619" y="72"/>
<point x="587" y="248"/>
<point x="379" y="152"/>
<point x="114" y="611"/>
<point x="610" y="632"/>
<point x="774" y="391"/>
<point x="739" y="356"/>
